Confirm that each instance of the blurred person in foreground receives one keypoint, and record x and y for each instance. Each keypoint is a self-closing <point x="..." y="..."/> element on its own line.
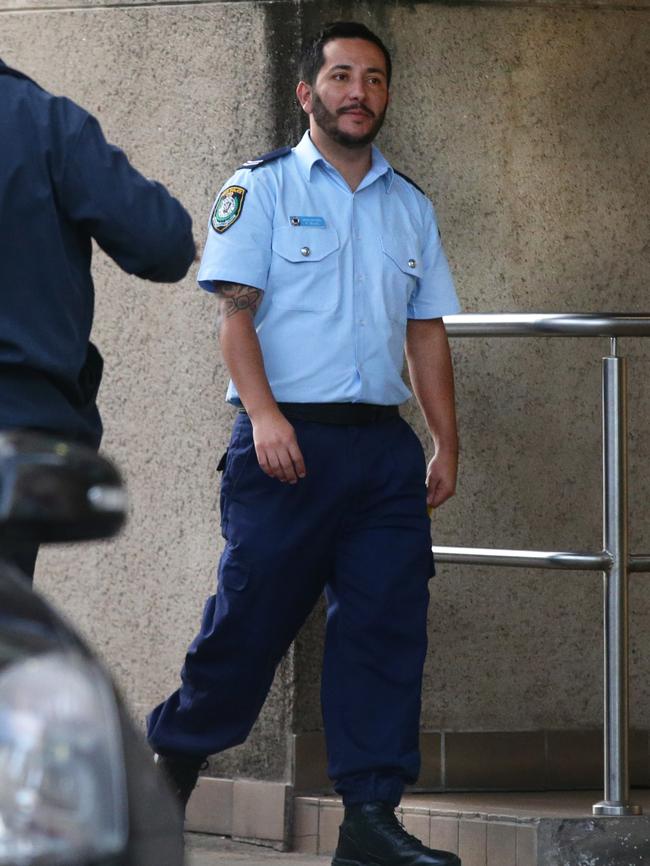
<point x="61" y="185"/>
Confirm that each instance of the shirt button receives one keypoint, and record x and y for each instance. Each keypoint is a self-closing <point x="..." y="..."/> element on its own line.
<point x="305" y="251"/>
<point x="412" y="263"/>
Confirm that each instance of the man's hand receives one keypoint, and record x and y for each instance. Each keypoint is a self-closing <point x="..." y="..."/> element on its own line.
<point x="275" y="439"/>
<point x="277" y="448"/>
<point x="441" y="478"/>
<point x="432" y="378"/>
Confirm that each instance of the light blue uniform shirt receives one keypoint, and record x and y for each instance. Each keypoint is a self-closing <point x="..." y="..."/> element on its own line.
<point x="341" y="272"/>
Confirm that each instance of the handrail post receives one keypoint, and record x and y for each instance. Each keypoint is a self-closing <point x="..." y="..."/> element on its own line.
<point x="616" y="580"/>
<point x="614" y="559"/>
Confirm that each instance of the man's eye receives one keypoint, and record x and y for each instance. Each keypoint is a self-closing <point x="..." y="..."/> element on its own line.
<point x="340" y="76"/>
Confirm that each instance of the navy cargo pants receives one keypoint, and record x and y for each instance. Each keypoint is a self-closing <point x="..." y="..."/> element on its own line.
<point x="357" y="527"/>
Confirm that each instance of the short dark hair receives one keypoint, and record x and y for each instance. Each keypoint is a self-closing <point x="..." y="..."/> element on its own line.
<point x="312" y="59"/>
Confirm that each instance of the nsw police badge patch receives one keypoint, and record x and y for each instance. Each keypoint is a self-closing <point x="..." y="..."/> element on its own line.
<point x="228" y="208"/>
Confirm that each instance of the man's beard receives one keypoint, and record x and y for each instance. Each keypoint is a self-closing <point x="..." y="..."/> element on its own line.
<point x="328" y="122"/>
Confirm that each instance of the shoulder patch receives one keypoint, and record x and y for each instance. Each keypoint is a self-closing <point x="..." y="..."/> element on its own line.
<point x="228" y="208"/>
<point x="408" y="180"/>
<point x="252" y="164"/>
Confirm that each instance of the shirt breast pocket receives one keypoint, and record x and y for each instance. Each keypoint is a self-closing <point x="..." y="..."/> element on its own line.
<point x="305" y="268"/>
<point x="402" y="270"/>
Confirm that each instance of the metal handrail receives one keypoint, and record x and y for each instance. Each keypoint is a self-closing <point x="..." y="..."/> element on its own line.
<point x="525" y="558"/>
<point x="614" y="560"/>
<point x="548" y="325"/>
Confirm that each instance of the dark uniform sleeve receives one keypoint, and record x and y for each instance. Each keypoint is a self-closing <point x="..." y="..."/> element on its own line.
<point x="133" y="219"/>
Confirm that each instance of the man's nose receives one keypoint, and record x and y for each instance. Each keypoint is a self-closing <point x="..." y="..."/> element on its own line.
<point x="358" y="88"/>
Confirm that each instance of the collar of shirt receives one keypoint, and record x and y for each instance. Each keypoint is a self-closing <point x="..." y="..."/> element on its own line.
<point x="309" y="156"/>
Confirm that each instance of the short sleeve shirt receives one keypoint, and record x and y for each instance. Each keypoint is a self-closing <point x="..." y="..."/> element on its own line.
<point x="341" y="272"/>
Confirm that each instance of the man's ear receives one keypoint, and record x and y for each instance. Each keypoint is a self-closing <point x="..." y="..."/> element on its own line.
<point x="303" y="93"/>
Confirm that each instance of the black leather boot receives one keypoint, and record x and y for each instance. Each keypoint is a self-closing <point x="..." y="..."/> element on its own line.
<point x="182" y="774"/>
<point x="371" y="835"/>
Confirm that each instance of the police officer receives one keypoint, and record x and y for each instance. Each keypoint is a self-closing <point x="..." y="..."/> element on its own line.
<point x="62" y="184"/>
<point x="326" y="263"/>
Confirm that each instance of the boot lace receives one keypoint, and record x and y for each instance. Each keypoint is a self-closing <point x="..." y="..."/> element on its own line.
<point x="396" y="829"/>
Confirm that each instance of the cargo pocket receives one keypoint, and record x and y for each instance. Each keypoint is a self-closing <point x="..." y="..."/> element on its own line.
<point x="233" y="572"/>
<point x="232" y="464"/>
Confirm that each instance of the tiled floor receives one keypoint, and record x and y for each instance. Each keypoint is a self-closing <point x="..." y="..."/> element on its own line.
<point x="484" y="829"/>
<point x="202" y="850"/>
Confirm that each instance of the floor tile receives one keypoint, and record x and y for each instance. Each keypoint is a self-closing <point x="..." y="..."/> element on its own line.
<point x="501" y="844"/>
<point x="472" y="843"/>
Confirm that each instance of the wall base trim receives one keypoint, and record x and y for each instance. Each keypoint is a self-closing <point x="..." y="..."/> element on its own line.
<point x="551" y="760"/>
<point x="247" y="810"/>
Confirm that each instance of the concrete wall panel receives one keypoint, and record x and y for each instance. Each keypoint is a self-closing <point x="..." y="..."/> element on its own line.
<point x="528" y="128"/>
<point x="181" y="94"/>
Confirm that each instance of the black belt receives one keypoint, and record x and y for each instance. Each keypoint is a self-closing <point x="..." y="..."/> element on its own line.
<point x="339" y="413"/>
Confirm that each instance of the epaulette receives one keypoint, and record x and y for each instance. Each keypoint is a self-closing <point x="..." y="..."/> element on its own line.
<point x="252" y="164"/>
<point x="408" y="180"/>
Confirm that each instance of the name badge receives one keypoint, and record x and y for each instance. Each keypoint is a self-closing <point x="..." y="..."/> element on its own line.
<point x="314" y="222"/>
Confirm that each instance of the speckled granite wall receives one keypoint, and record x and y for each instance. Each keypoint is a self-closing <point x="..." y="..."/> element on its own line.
<point x="179" y="88"/>
<point x="529" y="129"/>
<point x="528" y="125"/>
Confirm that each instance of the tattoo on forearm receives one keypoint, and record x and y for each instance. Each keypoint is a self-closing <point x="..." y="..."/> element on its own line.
<point x="234" y="297"/>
